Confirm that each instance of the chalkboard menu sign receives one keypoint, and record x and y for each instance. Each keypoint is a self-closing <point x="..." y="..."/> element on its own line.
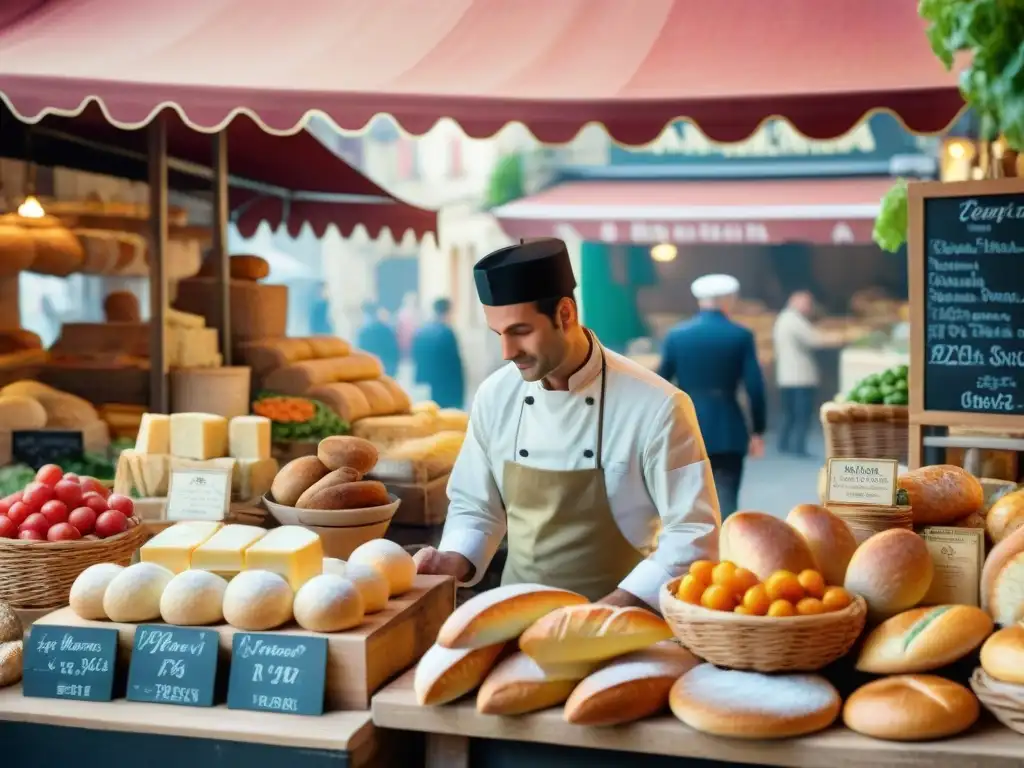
<point x="973" y="261"/>
<point x="278" y="673"/>
<point x="70" y="663"/>
<point x="173" y="665"/>
<point x="45" y="446"/>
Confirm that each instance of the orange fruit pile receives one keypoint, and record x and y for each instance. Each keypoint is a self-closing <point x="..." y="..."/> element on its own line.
<point x="726" y="587"/>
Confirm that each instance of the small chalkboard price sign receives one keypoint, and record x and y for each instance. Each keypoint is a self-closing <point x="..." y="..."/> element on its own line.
<point x="278" y="673"/>
<point x="45" y="446"/>
<point x="70" y="663"/>
<point x="173" y="665"/>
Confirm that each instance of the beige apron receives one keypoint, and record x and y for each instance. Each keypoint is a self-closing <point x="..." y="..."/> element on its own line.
<point x="561" y="531"/>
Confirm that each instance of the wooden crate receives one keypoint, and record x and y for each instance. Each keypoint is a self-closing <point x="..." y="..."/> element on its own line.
<point x="359" y="661"/>
<point x="422" y="503"/>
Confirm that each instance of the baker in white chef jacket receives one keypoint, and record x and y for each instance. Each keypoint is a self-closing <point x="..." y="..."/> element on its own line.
<point x="594" y="465"/>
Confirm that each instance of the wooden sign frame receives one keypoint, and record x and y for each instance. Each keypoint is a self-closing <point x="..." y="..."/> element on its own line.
<point x="918" y="193"/>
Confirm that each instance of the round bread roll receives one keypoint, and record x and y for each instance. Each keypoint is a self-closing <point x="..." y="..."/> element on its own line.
<point x="998" y="558"/>
<point x="10" y="624"/>
<point x="1006" y="594"/>
<point x="372" y="585"/>
<point x="923" y="639"/>
<point x="393" y="562"/>
<point x="1005" y="516"/>
<point x="333" y="565"/>
<point x="331" y="479"/>
<point x="294" y="478"/>
<point x="193" y="598"/>
<point x="763" y="544"/>
<point x="11" y="661"/>
<point x="257" y="601"/>
<point x="328" y="603"/>
<point x="122" y="307"/>
<point x="133" y="595"/>
<point x="942" y="493"/>
<point x="829" y="538"/>
<point x="361" y="494"/>
<point x="347" y="451"/>
<point x="892" y="571"/>
<point x="749" y="705"/>
<point x="1002" y="655"/>
<point x="910" y="708"/>
<point x="86" y="598"/>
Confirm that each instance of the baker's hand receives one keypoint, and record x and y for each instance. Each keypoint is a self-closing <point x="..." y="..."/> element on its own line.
<point x="620" y="598"/>
<point x="756" y="448"/>
<point x="435" y="563"/>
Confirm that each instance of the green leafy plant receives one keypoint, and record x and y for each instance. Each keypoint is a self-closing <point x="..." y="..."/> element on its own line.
<point x="506" y="182"/>
<point x="891" y="225"/>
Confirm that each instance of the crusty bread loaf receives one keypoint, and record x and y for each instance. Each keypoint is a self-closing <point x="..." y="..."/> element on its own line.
<point x="294" y="478"/>
<point x="629" y="688"/>
<point x="942" y="493"/>
<point x="122" y="307"/>
<point x="763" y="544"/>
<point x="1002" y="655"/>
<point x="296" y="379"/>
<point x="399" y="396"/>
<point x="446" y="674"/>
<point x="241" y="266"/>
<point x="1006" y="597"/>
<point x="271" y="354"/>
<point x="591" y="632"/>
<point x="923" y="639"/>
<point x="347" y="451"/>
<point x="328" y="346"/>
<point x="452" y="419"/>
<point x="829" y="538"/>
<point x="378" y="396"/>
<point x="892" y="571"/>
<point x="519" y="685"/>
<point x="998" y="557"/>
<point x="911" y="708"/>
<point x="346" y="400"/>
<point x="331" y="479"/>
<point x="388" y="430"/>
<point x="1005" y="516"/>
<point x="502" y="614"/>
<point x="750" y="705"/>
<point x="361" y="494"/>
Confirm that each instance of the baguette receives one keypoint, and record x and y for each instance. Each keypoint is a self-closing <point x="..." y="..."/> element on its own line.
<point x="501" y="614"/>
<point x="591" y="632"/>
<point x="1002" y="655"/>
<point x="923" y="639"/>
<point x="444" y="674"/>
<point x="911" y="708"/>
<point x="519" y="685"/>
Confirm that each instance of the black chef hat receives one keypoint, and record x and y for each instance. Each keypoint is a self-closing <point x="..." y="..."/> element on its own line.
<point x="529" y="271"/>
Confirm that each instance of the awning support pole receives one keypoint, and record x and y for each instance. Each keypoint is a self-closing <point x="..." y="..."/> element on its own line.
<point x="159" y="402"/>
<point x="220" y="240"/>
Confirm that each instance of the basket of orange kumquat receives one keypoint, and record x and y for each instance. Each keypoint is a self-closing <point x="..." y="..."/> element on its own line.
<point x="789" y="622"/>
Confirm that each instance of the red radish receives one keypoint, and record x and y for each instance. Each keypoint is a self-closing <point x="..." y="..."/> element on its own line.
<point x="72" y="477"/>
<point x="95" y="502"/>
<point x="16" y="496"/>
<point x="37" y="494"/>
<point x="63" y="532"/>
<point x="55" y="511"/>
<point x="111" y="523"/>
<point x="121" y="503"/>
<point x="8" y="530"/>
<point x="30" y="534"/>
<point x="92" y="485"/>
<point x="18" y="512"/>
<point x="35" y="522"/>
<point x="84" y="519"/>
<point x="49" y="474"/>
<point x="69" y="492"/>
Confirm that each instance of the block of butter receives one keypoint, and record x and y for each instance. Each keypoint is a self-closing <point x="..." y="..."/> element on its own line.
<point x="290" y="551"/>
<point x="224" y="552"/>
<point x="173" y="547"/>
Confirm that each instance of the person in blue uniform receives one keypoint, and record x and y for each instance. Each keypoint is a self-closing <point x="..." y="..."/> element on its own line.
<point x="378" y="338"/>
<point x="435" y="353"/>
<point x="709" y="357"/>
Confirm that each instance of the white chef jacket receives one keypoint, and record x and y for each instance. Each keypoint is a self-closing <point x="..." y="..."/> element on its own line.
<point x="795" y="339"/>
<point x="656" y="470"/>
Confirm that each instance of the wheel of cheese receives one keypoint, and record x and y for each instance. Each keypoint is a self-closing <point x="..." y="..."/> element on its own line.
<point x="134" y="594"/>
<point x="257" y="601"/>
<point x="86" y="598"/>
<point x="393" y="562"/>
<point x="328" y="603"/>
<point x="193" y="599"/>
<point x="372" y="585"/>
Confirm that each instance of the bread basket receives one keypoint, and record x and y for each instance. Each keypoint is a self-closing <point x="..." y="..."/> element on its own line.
<point x="332" y="518"/>
<point x="1004" y="700"/>
<point x="866" y="431"/>
<point x="39" y="574"/>
<point x="762" y="643"/>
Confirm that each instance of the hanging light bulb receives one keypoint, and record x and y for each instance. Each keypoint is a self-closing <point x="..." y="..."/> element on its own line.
<point x="664" y="252"/>
<point x="31" y="208"/>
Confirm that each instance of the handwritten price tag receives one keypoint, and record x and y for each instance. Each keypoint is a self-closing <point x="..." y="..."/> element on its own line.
<point x="870" y="482"/>
<point x="278" y="673"/>
<point x="173" y="665"/>
<point x="70" y="663"/>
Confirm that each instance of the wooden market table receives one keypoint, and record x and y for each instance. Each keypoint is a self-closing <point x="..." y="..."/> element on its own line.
<point x="458" y="736"/>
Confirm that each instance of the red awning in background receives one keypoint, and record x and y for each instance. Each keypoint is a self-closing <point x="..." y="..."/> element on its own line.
<point x="553" y="64"/>
<point x="819" y="211"/>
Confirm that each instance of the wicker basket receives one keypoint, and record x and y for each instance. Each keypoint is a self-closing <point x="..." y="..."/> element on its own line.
<point x="37" y="575"/>
<point x="865" y="522"/>
<point x="762" y="643"/>
<point x="1004" y="700"/>
<point x="866" y="431"/>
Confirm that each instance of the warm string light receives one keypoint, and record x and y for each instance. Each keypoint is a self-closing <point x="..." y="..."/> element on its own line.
<point x="31" y="208"/>
<point x="664" y="252"/>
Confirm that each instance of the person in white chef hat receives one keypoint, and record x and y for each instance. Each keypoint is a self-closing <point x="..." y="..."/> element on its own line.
<point x="594" y="465"/>
<point x="709" y="356"/>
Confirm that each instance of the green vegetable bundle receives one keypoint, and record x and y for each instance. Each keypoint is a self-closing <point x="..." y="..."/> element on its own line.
<point x="886" y="388"/>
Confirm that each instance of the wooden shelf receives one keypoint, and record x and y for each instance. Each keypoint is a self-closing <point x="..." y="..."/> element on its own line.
<point x="450" y="727"/>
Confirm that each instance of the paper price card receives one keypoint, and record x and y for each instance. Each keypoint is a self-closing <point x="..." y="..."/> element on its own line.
<point x="199" y="494"/>
<point x="870" y="482"/>
<point x="70" y="663"/>
<point x="173" y="665"/>
<point x="278" y="673"/>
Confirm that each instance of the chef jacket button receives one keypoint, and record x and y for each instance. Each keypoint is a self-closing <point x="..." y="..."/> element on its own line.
<point x="590" y="401"/>
<point x="523" y="452"/>
<point x="529" y="400"/>
<point x="588" y="453"/>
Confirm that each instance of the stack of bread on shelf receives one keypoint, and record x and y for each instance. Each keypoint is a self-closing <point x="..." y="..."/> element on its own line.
<point x="418" y="447"/>
<point x="32" y="405"/>
<point x="21" y="354"/>
<point x="207" y="573"/>
<point x="11" y="645"/>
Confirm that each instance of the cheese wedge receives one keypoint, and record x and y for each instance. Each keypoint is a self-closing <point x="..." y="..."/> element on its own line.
<point x="173" y="547"/>
<point x="252" y="478"/>
<point x="224" y="552"/>
<point x="198" y="436"/>
<point x="249" y="437"/>
<point x="154" y="434"/>
<point x="290" y="551"/>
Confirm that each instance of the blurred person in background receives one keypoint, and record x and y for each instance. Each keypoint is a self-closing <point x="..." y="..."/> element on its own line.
<point x="378" y="337"/>
<point x="796" y="369"/>
<point x="709" y="357"/>
<point x="435" y="353"/>
<point x="407" y="320"/>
